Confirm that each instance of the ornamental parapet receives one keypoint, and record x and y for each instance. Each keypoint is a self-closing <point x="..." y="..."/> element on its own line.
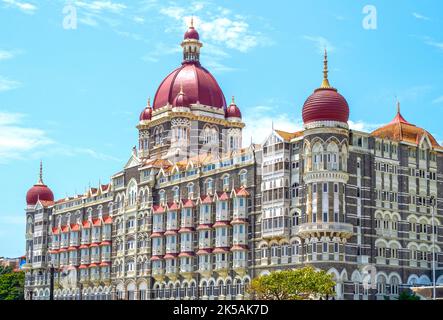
<point x="325" y="176"/>
<point x="332" y="229"/>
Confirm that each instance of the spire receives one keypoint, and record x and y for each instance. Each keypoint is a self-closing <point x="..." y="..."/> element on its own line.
<point x="325" y="82"/>
<point x="40" y="180"/>
<point x="398" y="107"/>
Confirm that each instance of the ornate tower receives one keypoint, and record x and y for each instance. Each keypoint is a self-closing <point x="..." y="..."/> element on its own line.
<point x="324" y="228"/>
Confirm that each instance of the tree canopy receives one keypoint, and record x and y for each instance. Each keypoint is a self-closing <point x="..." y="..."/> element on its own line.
<point x="11" y="284"/>
<point x="300" y="284"/>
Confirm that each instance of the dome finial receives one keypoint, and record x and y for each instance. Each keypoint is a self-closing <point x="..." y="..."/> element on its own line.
<point x="325" y="82"/>
<point x="40" y="180"/>
<point x="233" y="100"/>
<point x="398" y="106"/>
<point x="192" y="22"/>
<point x="149" y="102"/>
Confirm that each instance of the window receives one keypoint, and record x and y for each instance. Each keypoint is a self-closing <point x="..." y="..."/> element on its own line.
<point x="325" y="217"/>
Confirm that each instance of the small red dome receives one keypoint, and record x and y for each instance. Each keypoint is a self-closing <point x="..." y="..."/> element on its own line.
<point x="191" y="33"/>
<point x="325" y="104"/>
<point x="198" y="83"/>
<point x="39" y="192"/>
<point x="233" y="111"/>
<point x="146" y="114"/>
<point x="181" y="100"/>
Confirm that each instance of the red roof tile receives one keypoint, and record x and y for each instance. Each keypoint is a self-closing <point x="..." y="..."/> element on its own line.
<point x="107" y="220"/>
<point x="204" y="251"/>
<point x="221" y="224"/>
<point x="156" y="258"/>
<point x="187" y="203"/>
<point x="158" y="209"/>
<point x="221" y="250"/>
<point x="204" y="227"/>
<point x="170" y="256"/>
<point x="239" y="248"/>
<point x="186" y="254"/>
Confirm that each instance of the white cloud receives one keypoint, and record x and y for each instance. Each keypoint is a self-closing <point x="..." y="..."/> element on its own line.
<point x="5" y="54"/>
<point x="433" y="43"/>
<point x="99" y="6"/>
<point x="363" y="126"/>
<point x="259" y="121"/>
<point x="25" y="7"/>
<point x="420" y="16"/>
<point x="438" y="100"/>
<point x="16" y="140"/>
<point x="140" y="20"/>
<point x="6" y="84"/>
<point x="321" y="43"/>
<point x="221" y="28"/>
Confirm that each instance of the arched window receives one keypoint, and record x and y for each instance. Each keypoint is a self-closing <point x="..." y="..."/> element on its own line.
<point x="317" y="156"/>
<point x="332" y="156"/>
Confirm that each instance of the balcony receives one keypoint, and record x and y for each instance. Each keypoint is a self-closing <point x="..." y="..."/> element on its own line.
<point x="64" y="243"/>
<point x="85" y="260"/>
<point x="55" y="245"/>
<point x="273" y="233"/>
<point x="221" y="265"/>
<point x="95" y="258"/>
<point x="204" y="243"/>
<point x="158" y="251"/>
<point x="170" y="270"/>
<point x="96" y="238"/>
<point x="171" y="248"/>
<point x="334" y="229"/>
<point x="106" y="256"/>
<point x="239" y="264"/>
<point x="172" y="225"/>
<point x="186" y="268"/>
<point x="158" y="227"/>
<point x="158" y="271"/>
<point x="239" y="239"/>
<point x="186" y="223"/>
<point x="322" y="176"/>
<point x="222" y="242"/>
<point x="106" y="236"/>
<point x="74" y="242"/>
<point x="186" y="246"/>
<point x="206" y="266"/>
<point x="86" y="240"/>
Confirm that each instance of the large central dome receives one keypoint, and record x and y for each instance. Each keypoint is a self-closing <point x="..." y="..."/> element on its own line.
<point x="198" y="84"/>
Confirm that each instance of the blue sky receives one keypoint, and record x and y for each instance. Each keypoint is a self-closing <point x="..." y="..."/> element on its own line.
<point x="72" y="96"/>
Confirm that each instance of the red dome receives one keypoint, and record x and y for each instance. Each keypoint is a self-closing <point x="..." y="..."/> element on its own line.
<point x="233" y="111"/>
<point x="39" y="192"/>
<point x="198" y="83"/>
<point x="325" y="104"/>
<point x="146" y="114"/>
<point x="181" y="100"/>
<point x="191" y="34"/>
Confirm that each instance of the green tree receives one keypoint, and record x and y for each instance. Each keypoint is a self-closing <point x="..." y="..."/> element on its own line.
<point x="11" y="284"/>
<point x="408" y="295"/>
<point x="299" y="284"/>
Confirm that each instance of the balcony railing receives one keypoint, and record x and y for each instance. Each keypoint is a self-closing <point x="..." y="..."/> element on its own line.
<point x="345" y="230"/>
<point x="239" y="264"/>
<point x="206" y="266"/>
<point x="186" y="268"/>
